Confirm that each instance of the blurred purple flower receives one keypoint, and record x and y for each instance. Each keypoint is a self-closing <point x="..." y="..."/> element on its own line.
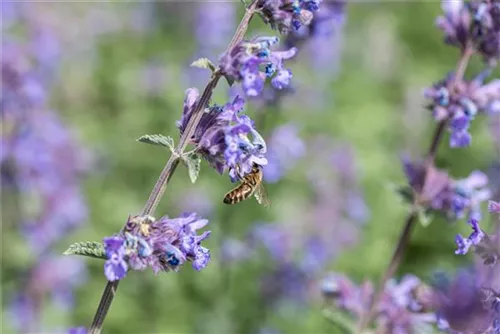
<point x="315" y="255"/>
<point x="285" y="149"/>
<point x="164" y="245"/>
<point x="286" y="281"/>
<point x="283" y="15"/>
<point x="45" y="164"/>
<point x="222" y="137"/>
<point x="10" y="14"/>
<point x="464" y="302"/>
<point x="462" y="104"/>
<point x="77" y="330"/>
<point x="494" y="207"/>
<point x="473" y="239"/>
<point x="53" y="274"/>
<point x="214" y="25"/>
<point x="45" y="47"/>
<point x="338" y="208"/>
<point x="474" y="23"/>
<point x="244" y="63"/>
<point x="441" y="193"/>
<point x="399" y="311"/>
<point x="274" y="238"/>
<point x="323" y="37"/>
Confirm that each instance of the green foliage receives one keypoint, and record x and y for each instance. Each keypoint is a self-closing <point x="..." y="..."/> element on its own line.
<point x="204" y="63"/>
<point x="87" y="248"/>
<point x="366" y="105"/>
<point x="160" y="140"/>
<point x="193" y="163"/>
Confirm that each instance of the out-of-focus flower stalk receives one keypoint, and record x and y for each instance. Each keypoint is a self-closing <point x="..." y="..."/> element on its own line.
<point x="43" y="163"/>
<point x="171" y="165"/>
<point x="411" y="219"/>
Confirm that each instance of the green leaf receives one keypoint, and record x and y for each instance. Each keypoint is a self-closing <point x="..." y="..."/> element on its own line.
<point x="87" y="248"/>
<point x="425" y="217"/>
<point x="204" y="63"/>
<point x="193" y="163"/>
<point x="230" y="81"/>
<point x="158" y="140"/>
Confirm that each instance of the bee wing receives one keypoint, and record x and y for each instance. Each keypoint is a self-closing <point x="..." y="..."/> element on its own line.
<point x="261" y="195"/>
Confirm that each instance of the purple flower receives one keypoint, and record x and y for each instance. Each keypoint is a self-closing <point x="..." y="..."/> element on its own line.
<point x="46" y="164"/>
<point x="473" y="239"/>
<point x="346" y="294"/>
<point x="475" y="23"/>
<point x="462" y="104"/>
<point x="115" y="267"/>
<point x="164" y="245"/>
<point x="323" y="37"/>
<point x="274" y="238"/>
<point x="282" y="15"/>
<point x="463" y="303"/>
<point x="399" y="309"/>
<point x="251" y="62"/>
<point x="55" y="275"/>
<point x="494" y="207"/>
<point x="441" y="193"/>
<point x="285" y="149"/>
<point x="469" y="193"/>
<point x="224" y="137"/>
<point x="286" y="282"/>
<point x="77" y="330"/>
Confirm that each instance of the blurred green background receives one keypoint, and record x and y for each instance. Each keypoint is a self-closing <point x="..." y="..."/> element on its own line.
<point x="123" y="74"/>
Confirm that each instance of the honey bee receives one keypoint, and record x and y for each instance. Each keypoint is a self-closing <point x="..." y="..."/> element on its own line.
<point x="251" y="184"/>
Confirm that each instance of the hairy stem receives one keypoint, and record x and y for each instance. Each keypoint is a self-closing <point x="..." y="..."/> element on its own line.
<point x="411" y="220"/>
<point x="172" y="163"/>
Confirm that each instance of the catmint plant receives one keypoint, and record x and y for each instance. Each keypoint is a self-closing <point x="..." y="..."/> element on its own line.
<point x="221" y="134"/>
<point x="473" y="27"/>
<point x="403" y="307"/>
<point x="43" y="163"/>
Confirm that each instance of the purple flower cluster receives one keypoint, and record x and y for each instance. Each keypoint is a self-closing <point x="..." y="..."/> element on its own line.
<point x="323" y="37"/>
<point x="332" y="222"/>
<point x="486" y="246"/>
<point x="440" y="192"/>
<point x="53" y="274"/>
<point x="473" y="24"/>
<point x="164" y="245"/>
<point x="402" y="307"/>
<point x="459" y="102"/>
<point x="282" y="15"/>
<point x="473" y="239"/>
<point x="43" y="163"/>
<point x="252" y="62"/>
<point x="469" y="303"/>
<point x="224" y="137"/>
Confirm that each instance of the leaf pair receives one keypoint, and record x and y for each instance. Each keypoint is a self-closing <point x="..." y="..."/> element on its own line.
<point x="191" y="160"/>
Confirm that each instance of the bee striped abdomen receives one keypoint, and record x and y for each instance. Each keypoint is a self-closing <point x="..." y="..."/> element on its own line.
<point x="248" y="186"/>
<point x="238" y="194"/>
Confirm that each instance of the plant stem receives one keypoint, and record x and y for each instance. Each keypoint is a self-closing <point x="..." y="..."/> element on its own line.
<point x="172" y="163"/>
<point x="411" y="220"/>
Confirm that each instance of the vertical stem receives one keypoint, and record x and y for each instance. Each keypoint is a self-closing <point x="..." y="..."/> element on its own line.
<point x="411" y="220"/>
<point x="172" y="163"/>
